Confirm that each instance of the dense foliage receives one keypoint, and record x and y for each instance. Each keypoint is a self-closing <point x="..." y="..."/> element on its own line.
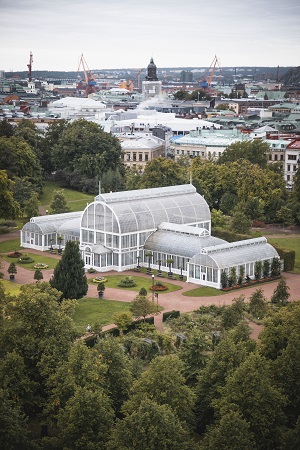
<point x="202" y="384"/>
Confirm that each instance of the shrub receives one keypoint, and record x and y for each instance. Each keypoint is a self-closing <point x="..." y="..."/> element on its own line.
<point x="127" y="282"/>
<point x="91" y="270"/>
<point x="171" y="315"/>
<point x="143" y="292"/>
<point x="25" y="259"/>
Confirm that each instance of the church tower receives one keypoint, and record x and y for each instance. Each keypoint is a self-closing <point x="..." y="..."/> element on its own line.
<point x="151" y="71"/>
<point x="151" y="87"/>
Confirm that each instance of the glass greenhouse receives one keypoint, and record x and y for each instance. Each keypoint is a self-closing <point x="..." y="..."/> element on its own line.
<point x="166" y="228"/>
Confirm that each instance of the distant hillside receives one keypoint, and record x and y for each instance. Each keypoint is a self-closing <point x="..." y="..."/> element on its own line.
<point x="292" y="77"/>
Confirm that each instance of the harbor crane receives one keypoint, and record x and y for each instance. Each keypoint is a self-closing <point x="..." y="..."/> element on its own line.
<point x="206" y="81"/>
<point x="90" y="80"/>
<point x="30" y="67"/>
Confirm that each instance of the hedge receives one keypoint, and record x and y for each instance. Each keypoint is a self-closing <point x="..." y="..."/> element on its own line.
<point x="171" y="315"/>
<point x="288" y="257"/>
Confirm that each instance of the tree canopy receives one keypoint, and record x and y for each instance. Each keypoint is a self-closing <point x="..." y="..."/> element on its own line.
<point x="69" y="276"/>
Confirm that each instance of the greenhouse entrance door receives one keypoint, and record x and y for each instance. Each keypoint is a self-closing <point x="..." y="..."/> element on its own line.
<point x="88" y="260"/>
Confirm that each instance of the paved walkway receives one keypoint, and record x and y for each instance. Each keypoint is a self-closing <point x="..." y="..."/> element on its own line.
<point x="170" y="300"/>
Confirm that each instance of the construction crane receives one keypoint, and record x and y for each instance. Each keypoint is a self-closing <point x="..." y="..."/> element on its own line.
<point x="90" y="80"/>
<point x="30" y="66"/>
<point x="207" y="79"/>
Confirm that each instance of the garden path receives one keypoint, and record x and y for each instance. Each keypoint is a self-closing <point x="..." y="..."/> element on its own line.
<point x="170" y="300"/>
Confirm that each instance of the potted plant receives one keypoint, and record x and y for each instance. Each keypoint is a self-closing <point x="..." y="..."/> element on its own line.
<point x="51" y="246"/>
<point x="101" y="289"/>
<point x="181" y="276"/>
<point x="170" y="262"/>
<point x="138" y="262"/>
<point x="38" y="276"/>
<point x="12" y="270"/>
<point x="149" y="256"/>
<point x="59" y="239"/>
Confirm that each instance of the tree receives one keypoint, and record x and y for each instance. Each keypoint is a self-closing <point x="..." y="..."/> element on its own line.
<point x="20" y="160"/>
<point x="118" y="378"/>
<point x="9" y="208"/>
<point x="240" y="222"/>
<point x="6" y="129"/>
<point x="251" y="391"/>
<point x="233" y="314"/>
<point x="162" y="172"/>
<point x="84" y="151"/>
<point x="149" y="427"/>
<point x="254" y="151"/>
<point x="86" y="420"/>
<point x="38" y="275"/>
<point x="122" y="320"/>
<point x="38" y="328"/>
<point x="230" y="432"/>
<point x="257" y="304"/>
<point x="58" y="203"/>
<point x="193" y="352"/>
<point x="31" y="206"/>
<point x="164" y="383"/>
<point x="281" y="293"/>
<point x="69" y="276"/>
<point x="12" y="269"/>
<point x="13" y="424"/>
<point x="142" y="307"/>
<point x="224" y="360"/>
<point x="277" y="330"/>
<point x="285" y="215"/>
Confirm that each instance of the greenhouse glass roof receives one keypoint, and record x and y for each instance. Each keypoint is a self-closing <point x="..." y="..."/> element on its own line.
<point x="235" y="253"/>
<point x="50" y="224"/>
<point x="179" y="243"/>
<point x="146" y="209"/>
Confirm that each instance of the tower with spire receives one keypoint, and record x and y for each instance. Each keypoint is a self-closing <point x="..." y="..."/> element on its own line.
<point x="151" y="87"/>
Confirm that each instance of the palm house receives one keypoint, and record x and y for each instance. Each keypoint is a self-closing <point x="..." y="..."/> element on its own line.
<point x="158" y="228"/>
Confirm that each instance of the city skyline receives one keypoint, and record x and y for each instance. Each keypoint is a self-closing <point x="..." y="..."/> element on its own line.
<point x="117" y="34"/>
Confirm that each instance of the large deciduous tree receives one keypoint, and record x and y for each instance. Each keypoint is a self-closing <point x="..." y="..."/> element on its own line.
<point x="69" y="276"/>
<point x="9" y="208"/>
<point x="150" y="426"/>
<point x="254" y="151"/>
<point x="84" y="152"/>
<point x="163" y="172"/>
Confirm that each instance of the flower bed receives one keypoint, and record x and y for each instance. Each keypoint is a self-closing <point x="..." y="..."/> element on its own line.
<point x="250" y="283"/>
<point x="158" y="287"/>
<point x="40" y="266"/>
<point x="14" y="255"/>
<point x="99" y="280"/>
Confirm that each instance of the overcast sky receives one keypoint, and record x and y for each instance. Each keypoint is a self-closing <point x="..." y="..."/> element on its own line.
<point x="127" y="33"/>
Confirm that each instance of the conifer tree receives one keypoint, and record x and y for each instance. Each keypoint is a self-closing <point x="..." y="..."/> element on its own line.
<point x="69" y="275"/>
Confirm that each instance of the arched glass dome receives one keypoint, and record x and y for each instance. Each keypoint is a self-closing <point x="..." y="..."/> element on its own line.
<point x="145" y="209"/>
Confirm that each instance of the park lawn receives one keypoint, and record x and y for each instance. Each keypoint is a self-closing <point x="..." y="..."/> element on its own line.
<point x="10" y="246"/>
<point x="51" y="262"/>
<point x="96" y="310"/>
<point x="113" y="280"/>
<point x="290" y="243"/>
<point x="11" y="287"/>
<point x="76" y="200"/>
<point x="203" y="291"/>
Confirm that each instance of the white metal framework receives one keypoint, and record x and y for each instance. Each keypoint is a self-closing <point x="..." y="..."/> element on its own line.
<point x="168" y="227"/>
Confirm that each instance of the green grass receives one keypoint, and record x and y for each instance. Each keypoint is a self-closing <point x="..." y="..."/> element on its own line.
<point x="203" y="291"/>
<point x="290" y="243"/>
<point x="113" y="280"/>
<point x="10" y="246"/>
<point x="11" y="287"/>
<point x="96" y="310"/>
<point x="51" y="262"/>
<point x="76" y="200"/>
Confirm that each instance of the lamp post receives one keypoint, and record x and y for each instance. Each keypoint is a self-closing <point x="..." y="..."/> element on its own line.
<point x="152" y="287"/>
<point x="156" y="296"/>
